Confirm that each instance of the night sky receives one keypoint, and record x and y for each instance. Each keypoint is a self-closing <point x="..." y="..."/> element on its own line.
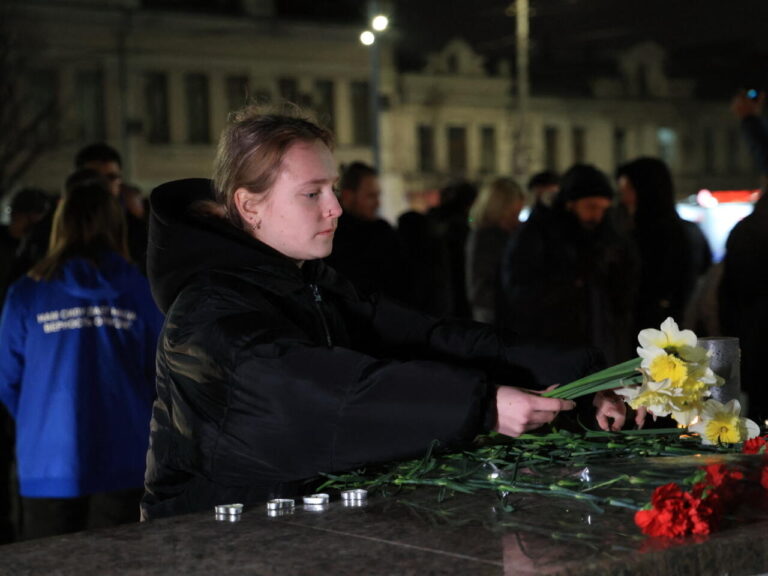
<point x="721" y="43"/>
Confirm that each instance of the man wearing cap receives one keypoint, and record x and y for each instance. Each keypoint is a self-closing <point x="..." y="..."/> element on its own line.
<point x="568" y="275"/>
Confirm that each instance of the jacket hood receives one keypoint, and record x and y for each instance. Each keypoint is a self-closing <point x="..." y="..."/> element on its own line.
<point x="82" y="278"/>
<point x="183" y="244"/>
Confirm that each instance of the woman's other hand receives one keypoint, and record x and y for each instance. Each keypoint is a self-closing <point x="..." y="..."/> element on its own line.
<point x="611" y="412"/>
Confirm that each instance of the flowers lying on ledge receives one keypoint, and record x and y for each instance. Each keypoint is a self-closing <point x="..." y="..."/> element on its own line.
<point x="716" y="491"/>
<point x="671" y="377"/>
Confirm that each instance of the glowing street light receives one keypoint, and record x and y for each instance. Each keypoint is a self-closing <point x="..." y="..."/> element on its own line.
<point x="367" y="37"/>
<point x="380" y="23"/>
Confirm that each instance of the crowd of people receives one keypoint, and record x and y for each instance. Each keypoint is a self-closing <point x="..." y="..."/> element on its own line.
<point x="303" y="334"/>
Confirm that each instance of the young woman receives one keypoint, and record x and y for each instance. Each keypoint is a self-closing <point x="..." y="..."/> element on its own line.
<point x="77" y="347"/>
<point x="271" y="368"/>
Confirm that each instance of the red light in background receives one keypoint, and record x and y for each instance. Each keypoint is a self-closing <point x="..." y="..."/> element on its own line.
<point x="710" y="198"/>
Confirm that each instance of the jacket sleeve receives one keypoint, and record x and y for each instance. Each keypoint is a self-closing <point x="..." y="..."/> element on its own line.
<point x="412" y="334"/>
<point x="13" y="334"/>
<point x="328" y="409"/>
<point x="255" y="399"/>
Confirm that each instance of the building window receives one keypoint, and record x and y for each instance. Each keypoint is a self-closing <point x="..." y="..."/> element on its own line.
<point x="642" y="81"/>
<point x="44" y="90"/>
<point x="288" y="88"/>
<point x="198" y="109"/>
<point x="579" y="144"/>
<point x="324" y="102"/>
<point x="667" y="140"/>
<point x="488" y="164"/>
<point x="361" y="115"/>
<point x="425" y="136"/>
<point x="158" y="128"/>
<point x="452" y="64"/>
<point x="551" y="148"/>
<point x="89" y="90"/>
<point x="619" y="146"/>
<point x="238" y="92"/>
<point x="709" y="151"/>
<point x="261" y="96"/>
<point x="457" y="149"/>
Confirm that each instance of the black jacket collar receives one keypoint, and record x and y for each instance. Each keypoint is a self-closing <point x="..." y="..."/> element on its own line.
<point x="182" y="245"/>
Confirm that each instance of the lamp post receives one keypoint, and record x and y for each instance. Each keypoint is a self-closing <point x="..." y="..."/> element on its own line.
<point x="379" y="23"/>
<point x="520" y="131"/>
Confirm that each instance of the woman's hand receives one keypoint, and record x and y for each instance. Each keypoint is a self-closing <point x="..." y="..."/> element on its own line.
<point x="611" y="411"/>
<point x="519" y="411"/>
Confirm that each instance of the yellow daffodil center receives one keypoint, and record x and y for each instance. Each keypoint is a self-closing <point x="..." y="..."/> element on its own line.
<point x="723" y="429"/>
<point x="668" y="366"/>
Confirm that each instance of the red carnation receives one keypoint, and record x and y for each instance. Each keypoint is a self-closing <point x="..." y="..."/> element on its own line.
<point x="718" y="476"/>
<point x="676" y="513"/>
<point x="755" y="445"/>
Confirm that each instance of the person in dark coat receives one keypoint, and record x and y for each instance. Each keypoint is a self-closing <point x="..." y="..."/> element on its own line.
<point x="448" y="228"/>
<point x="544" y="186"/>
<point x="743" y="294"/>
<point x="743" y="301"/>
<point x="569" y="275"/>
<point x="272" y="368"/>
<point x="674" y="253"/>
<point x="367" y="249"/>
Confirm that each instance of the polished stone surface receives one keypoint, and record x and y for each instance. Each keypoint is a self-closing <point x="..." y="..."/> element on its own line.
<point x="407" y="533"/>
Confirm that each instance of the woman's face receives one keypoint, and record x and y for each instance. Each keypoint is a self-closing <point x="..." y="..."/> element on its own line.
<point x="298" y="216"/>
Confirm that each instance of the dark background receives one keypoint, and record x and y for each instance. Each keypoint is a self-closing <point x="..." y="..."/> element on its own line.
<point x="720" y="43"/>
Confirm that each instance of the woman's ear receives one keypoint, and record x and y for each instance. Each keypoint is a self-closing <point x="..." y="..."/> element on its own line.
<point x="247" y="204"/>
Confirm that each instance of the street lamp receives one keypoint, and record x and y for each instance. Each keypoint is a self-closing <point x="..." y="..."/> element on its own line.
<point x="367" y="37"/>
<point x="379" y="23"/>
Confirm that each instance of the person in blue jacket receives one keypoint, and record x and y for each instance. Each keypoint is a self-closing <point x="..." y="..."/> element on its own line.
<point x="77" y="349"/>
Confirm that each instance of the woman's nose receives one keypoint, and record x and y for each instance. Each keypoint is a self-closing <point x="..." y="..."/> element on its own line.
<point x="333" y="207"/>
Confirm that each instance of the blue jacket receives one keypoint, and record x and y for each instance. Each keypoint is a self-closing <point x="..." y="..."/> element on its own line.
<point x="77" y="371"/>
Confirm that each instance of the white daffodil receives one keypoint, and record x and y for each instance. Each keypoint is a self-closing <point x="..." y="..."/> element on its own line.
<point x="658" y="365"/>
<point x="658" y="397"/>
<point x="721" y="424"/>
<point x="687" y="417"/>
<point x="670" y="336"/>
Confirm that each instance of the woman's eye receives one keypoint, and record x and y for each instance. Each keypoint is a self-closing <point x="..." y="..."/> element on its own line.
<point x="313" y="194"/>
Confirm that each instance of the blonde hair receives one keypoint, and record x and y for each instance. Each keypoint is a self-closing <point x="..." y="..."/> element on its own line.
<point x="490" y="206"/>
<point x="87" y="222"/>
<point x="252" y="147"/>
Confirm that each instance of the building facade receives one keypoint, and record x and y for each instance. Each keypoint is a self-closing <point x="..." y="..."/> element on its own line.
<point x="158" y="83"/>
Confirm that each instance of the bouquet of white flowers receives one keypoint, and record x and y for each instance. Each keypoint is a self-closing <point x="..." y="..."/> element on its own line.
<point x="671" y="377"/>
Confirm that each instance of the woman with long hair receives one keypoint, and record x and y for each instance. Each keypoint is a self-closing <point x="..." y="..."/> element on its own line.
<point x="77" y="347"/>
<point x="673" y="252"/>
<point x="494" y="217"/>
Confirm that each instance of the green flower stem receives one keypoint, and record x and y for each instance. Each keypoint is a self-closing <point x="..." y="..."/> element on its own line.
<point x="612" y="481"/>
<point x="624" y="374"/>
